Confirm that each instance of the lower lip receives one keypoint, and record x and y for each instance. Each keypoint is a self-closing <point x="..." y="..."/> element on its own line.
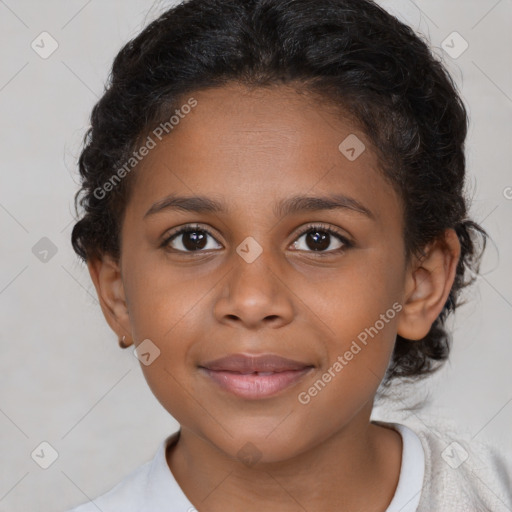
<point x="254" y="386"/>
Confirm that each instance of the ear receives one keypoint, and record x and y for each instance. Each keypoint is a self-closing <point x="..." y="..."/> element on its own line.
<point x="428" y="283"/>
<point x="106" y="276"/>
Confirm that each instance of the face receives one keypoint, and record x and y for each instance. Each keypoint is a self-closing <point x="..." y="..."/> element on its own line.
<point x="320" y="286"/>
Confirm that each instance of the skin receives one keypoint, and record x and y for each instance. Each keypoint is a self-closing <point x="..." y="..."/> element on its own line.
<point x="251" y="149"/>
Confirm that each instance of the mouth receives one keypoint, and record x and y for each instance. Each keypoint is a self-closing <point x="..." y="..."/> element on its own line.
<point x="255" y="377"/>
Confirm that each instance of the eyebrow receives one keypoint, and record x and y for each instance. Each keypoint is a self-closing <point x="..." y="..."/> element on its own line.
<point x="288" y="206"/>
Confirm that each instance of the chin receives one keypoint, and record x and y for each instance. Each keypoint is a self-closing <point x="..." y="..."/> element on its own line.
<point x="260" y="442"/>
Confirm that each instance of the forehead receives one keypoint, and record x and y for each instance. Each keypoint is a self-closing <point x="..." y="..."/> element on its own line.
<point x="250" y="147"/>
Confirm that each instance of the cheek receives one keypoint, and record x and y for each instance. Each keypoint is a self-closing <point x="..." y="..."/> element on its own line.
<point x="357" y="297"/>
<point x="359" y="346"/>
<point x="169" y="386"/>
<point x="162" y="299"/>
<point x="163" y="306"/>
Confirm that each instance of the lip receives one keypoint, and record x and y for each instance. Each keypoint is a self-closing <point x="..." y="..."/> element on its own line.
<point x="255" y="376"/>
<point x="247" y="363"/>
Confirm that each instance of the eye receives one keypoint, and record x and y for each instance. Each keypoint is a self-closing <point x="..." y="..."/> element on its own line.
<point x="189" y="239"/>
<point x="194" y="238"/>
<point x="318" y="238"/>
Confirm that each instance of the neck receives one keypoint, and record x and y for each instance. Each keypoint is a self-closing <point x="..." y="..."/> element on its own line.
<point x="357" y="468"/>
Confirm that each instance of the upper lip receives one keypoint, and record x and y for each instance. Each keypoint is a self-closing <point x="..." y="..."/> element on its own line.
<point x="243" y="363"/>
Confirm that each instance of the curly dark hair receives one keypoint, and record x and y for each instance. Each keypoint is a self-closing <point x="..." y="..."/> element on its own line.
<point x="351" y="53"/>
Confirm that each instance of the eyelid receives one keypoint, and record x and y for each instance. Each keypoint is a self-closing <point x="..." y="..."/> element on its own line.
<point x="183" y="229"/>
<point x="328" y="229"/>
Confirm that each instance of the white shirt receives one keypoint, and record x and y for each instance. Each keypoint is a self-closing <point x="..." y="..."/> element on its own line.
<point x="442" y="471"/>
<point x="153" y="488"/>
<point x="412" y="471"/>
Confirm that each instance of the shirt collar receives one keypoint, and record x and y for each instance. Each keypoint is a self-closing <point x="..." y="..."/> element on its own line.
<point x="165" y="495"/>
<point x="162" y="490"/>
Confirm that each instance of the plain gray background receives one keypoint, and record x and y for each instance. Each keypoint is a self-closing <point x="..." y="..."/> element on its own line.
<point x="64" y="378"/>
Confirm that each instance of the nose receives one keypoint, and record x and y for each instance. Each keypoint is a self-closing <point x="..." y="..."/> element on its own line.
<point x="254" y="295"/>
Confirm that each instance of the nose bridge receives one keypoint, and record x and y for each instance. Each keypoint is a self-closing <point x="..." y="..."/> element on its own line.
<point x="256" y="268"/>
<point x="253" y="291"/>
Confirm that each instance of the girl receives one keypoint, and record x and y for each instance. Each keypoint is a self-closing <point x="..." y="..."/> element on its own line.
<point x="274" y="218"/>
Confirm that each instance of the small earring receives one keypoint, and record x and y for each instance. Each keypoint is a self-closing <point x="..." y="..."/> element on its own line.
<point x="122" y="344"/>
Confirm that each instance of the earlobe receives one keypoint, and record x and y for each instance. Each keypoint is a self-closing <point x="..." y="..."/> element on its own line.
<point x="106" y="276"/>
<point x="428" y="283"/>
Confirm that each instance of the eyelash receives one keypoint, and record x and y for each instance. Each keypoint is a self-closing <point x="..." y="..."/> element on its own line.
<point x="347" y="244"/>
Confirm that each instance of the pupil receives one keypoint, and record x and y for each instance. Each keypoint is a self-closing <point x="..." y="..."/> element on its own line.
<point x="315" y="240"/>
<point x="193" y="240"/>
<point x="319" y="239"/>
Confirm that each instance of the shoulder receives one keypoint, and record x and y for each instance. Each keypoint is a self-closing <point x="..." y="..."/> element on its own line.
<point x="150" y="487"/>
<point x="461" y="473"/>
<point x="127" y="495"/>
